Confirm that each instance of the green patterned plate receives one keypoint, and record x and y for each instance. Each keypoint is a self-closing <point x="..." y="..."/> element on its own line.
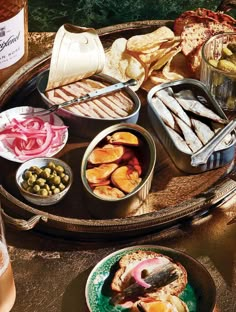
<point x="199" y="294"/>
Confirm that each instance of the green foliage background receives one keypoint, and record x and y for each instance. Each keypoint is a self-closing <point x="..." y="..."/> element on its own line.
<point x="49" y="15"/>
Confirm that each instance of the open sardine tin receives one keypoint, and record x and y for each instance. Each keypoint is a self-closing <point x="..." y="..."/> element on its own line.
<point x="181" y="159"/>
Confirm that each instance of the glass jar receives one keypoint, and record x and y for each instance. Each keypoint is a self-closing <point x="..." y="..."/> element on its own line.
<point x="13" y="36"/>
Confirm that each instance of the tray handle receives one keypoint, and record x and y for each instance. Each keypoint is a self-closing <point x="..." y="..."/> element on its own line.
<point x="21" y="224"/>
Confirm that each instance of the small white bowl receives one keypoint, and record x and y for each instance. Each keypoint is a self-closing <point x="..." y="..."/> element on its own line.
<point x="39" y="199"/>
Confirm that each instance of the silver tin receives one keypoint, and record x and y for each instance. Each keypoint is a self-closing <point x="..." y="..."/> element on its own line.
<point x="131" y="203"/>
<point x="179" y="158"/>
<point x="87" y="127"/>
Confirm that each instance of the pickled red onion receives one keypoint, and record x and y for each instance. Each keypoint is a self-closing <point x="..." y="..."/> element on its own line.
<point x="146" y="264"/>
<point x="32" y="137"/>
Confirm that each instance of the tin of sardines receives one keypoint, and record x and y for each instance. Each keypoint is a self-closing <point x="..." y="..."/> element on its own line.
<point x="185" y="118"/>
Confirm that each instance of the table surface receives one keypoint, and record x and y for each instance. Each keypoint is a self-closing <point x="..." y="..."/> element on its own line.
<point x="50" y="273"/>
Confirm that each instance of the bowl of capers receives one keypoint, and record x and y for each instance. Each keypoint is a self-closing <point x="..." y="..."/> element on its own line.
<point x="44" y="181"/>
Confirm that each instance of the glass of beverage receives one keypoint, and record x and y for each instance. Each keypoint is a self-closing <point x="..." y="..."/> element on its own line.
<point x="7" y="285"/>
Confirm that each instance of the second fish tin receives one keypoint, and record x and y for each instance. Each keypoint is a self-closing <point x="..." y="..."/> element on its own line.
<point x="129" y="205"/>
<point x="88" y="127"/>
<point x="181" y="159"/>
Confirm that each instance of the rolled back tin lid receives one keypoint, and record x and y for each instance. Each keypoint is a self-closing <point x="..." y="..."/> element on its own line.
<point x="77" y="53"/>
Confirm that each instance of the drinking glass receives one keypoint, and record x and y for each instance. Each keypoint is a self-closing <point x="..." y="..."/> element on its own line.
<point x="221" y="83"/>
<point x="7" y="285"/>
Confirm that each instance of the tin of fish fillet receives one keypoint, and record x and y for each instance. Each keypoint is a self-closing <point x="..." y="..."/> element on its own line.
<point x="88" y="126"/>
<point x="129" y="205"/>
<point x="170" y="132"/>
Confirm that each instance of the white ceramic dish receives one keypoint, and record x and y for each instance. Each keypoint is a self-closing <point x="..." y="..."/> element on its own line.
<point x="17" y="112"/>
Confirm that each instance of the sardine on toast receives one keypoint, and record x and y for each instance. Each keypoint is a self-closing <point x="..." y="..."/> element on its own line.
<point x="163" y="276"/>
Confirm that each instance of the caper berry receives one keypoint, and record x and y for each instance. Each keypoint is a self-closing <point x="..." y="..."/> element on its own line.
<point x="40" y="181"/>
<point x="31" y="180"/>
<point x="56" y="191"/>
<point x="61" y="186"/>
<point x="25" y="185"/>
<point x="27" y="174"/>
<point x="51" y="165"/>
<point x="45" y="173"/>
<point x="59" y="169"/>
<point x="47" y="187"/>
<point x="43" y="192"/>
<point x="56" y="180"/>
<point x="65" y="179"/>
<point x="36" y="188"/>
<point x="35" y="169"/>
<point x="30" y="189"/>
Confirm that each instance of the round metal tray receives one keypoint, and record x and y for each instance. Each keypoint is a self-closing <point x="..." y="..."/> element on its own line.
<point x="174" y="196"/>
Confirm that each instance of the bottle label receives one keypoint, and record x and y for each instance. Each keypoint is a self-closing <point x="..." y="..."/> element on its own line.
<point x="12" y="40"/>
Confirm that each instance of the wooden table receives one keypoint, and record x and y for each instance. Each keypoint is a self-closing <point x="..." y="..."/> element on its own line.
<point x="51" y="273"/>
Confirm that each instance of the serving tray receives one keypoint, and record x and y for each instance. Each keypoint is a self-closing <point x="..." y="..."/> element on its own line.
<point x="174" y="197"/>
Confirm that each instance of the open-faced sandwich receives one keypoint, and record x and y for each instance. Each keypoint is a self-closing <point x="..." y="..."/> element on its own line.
<point x="147" y="281"/>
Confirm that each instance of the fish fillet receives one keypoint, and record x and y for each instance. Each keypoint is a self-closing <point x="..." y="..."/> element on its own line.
<point x="179" y="141"/>
<point x="227" y="139"/>
<point x="189" y="102"/>
<point x="202" y="130"/>
<point x="190" y="137"/>
<point x="167" y="97"/>
<point x="164" y="112"/>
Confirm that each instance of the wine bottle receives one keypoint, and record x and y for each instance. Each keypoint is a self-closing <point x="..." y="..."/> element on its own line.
<point x="13" y="36"/>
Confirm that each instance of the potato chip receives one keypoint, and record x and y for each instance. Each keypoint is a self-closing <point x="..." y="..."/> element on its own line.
<point x="167" y="73"/>
<point x="150" y="59"/>
<point x="158" y="54"/>
<point x="148" y="85"/>
<point x="164" y="59"/>
<point x="123" y="66"/>
<point x="140" y="43"/>
<point x="179" y="65"/>
<point x="157" y="77"/>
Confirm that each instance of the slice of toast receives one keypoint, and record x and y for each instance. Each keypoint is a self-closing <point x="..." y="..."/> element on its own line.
<point x="123" y="278"/>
